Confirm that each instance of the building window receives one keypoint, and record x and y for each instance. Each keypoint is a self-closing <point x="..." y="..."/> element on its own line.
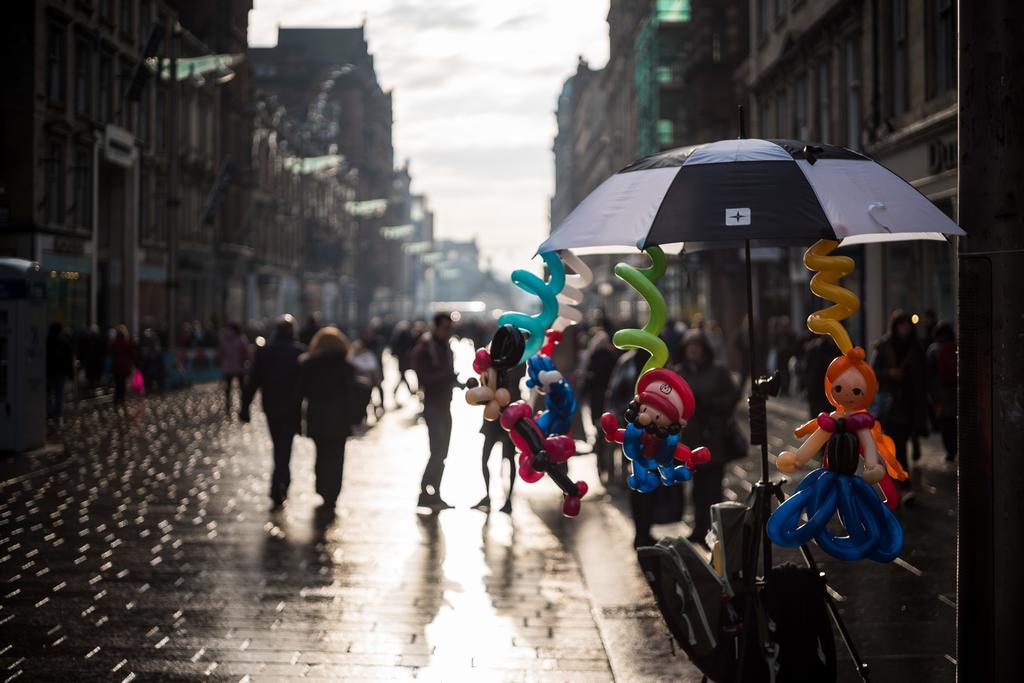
<point x="764" y="17"/>
<point x="56" y="63"/>
<point x="824" y="102"/>
<point x="780" y="114"/>
<point x="852" y="93"/>
<point x="900" y="63"/>
<point x="83" y="77"/>
<point x="107" y="10"/>
<point x="106" y="87"/>
<point x="800" y="131"/>
<point x="942" y="66"/>
<point x="664" y="132"/>
<point x="55" y="182"/>
<point x="673" y="10"/>
<point x="83" y="187"/>
<point x="780" y="9"/>
<point x="126" y="109"/>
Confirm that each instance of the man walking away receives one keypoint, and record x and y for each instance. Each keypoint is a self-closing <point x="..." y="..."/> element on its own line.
<point x="60" y="366"/>
<point x="275" y="372"/>
<point x="122" y="361"/>
<point x="233" y="354"/>
<point x="434" y="364"/>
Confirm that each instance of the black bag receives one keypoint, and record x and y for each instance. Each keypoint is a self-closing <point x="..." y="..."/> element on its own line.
<point x="794" y="598"/>
<point x="705" y="607"/>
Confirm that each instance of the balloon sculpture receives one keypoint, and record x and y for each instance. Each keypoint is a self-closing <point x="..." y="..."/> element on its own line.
<point x="559" y="397"/>
<point x="663" y="401"/>
<point x="541" y="440"/>
<point x="662" y="406"/>
<point x="847" y="436"/>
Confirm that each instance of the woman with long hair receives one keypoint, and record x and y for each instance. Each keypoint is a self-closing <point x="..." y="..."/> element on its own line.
<point x="327" y="381"/>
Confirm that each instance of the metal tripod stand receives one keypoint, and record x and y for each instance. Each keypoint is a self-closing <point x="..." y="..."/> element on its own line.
<point x="765" y="489"/>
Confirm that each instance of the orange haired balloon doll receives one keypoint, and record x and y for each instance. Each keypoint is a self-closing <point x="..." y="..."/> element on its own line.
<point x="846" y="436"/>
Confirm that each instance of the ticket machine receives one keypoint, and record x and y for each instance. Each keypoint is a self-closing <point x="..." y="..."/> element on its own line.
<point x="22" y="355"/>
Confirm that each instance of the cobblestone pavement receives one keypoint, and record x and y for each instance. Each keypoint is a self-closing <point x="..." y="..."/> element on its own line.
<point x="144" y="550"/>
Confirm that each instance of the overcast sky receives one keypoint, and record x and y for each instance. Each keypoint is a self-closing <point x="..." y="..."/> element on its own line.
<point x="475" y="86"/>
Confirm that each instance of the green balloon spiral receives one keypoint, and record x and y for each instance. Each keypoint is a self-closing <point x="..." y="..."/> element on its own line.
<point x="643" y="281"/>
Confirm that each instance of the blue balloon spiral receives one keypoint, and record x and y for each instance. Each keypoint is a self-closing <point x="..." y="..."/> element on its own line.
<point x="547" y="292"/>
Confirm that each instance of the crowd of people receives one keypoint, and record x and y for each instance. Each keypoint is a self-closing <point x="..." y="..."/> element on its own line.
<point x="341" y="381"/>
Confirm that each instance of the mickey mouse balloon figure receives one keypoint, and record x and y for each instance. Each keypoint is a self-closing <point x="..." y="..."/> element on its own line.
<point x="538" y="450"/>
<point x="846" y="437"/>
<point x="660" y="409"/>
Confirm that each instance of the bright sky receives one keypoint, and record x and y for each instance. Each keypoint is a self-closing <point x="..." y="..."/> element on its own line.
<point x="475" y="86"/>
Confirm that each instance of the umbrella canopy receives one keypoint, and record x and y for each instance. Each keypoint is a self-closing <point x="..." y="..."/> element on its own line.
<point x="772" y="192"/>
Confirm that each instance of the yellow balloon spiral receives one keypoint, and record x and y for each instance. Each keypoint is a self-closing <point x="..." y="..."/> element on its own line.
<point x="828" y="270"/>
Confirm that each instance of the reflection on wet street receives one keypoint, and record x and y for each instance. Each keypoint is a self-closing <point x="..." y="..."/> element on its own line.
<point x="147" y="549"/>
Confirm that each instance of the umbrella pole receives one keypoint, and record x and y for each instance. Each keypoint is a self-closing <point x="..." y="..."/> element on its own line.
<point x="758" y="417"/>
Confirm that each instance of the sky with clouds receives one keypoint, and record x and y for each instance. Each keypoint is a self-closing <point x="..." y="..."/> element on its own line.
<point x="475" y="86"/>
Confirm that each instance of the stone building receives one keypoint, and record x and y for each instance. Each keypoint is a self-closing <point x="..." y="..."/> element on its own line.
<point x="326" y="82"/>
<point x="883" y="84"/>
<point x="86" y="143"/>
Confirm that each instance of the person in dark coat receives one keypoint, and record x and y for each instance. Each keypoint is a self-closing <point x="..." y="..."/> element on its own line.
<point x="713" y="424"/>
<point x="326" y="379"/>
<point x="494" y="434"/>
<point x="275" y="373"/>
<point x="402" y="341"/>
<point x="92" y="351"/>
<point x="899" y="365"/>
<point x="434" y="364"/>
<point x="814" y="362"/>
<point x="60" y="367"/>
<point x="122" y="360"/>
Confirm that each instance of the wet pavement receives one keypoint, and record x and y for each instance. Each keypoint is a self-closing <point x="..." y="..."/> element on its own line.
<point x="145" y="550"/>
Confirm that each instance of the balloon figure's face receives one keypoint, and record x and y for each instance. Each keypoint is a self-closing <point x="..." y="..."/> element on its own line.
<point x="487" y="391"/>
<point x="542" y="374"/>
<point x="652" y="420"/>
<point x="849" y="391"/>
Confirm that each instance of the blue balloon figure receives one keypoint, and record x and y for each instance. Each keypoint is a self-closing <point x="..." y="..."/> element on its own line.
<point x="654" y="420"/>
<point x="872" y="530"/>
<point x="559" y="396"/>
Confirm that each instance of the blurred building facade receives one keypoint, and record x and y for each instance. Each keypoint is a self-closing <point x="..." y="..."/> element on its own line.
<point x="263" y="185"/>
<point x="880" y="78"/>
<point x="874" y="76"/>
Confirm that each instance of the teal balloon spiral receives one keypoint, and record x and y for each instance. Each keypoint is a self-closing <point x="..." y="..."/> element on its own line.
<point x="547" y="292"/>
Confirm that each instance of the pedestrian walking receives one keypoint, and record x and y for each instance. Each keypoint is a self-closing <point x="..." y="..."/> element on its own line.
<point x="402" y="342"/>
<point x="60" y="367"/>
<point x="92" y="352"/>
<point x="369" y="371"/>
<point x="275" y="374"/>
<point x="434" y="364"/>
<point x="494" y="434"/>
<point x="233" y="354"/>
<point x="327" y="382"/>
<point x="151" y="360"/>
<point x="900" y="365"/>
<point x="942" y="384"/>
<point x="713" y="424"/>
<point x="311" y="327"/>
<point x="818" y="353"/>
<point x="122" y="361"/>
<point x="596" y="368"/>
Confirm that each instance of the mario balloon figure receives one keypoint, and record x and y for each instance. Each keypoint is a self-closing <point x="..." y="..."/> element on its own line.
<point x="654" y="418"/>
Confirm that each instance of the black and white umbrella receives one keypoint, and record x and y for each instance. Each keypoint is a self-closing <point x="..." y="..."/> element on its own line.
<point x="770" y="192"/>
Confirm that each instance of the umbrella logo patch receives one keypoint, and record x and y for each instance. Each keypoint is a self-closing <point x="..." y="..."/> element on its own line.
<point x="737" y="216"/>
